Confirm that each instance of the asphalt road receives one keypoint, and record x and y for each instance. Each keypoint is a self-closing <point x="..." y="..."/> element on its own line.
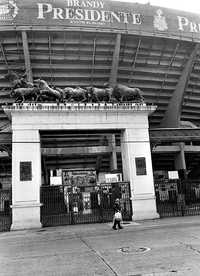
<point x="146" y="248"/>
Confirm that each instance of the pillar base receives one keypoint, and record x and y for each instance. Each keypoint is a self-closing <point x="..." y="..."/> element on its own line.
<point x="145" y="216"/>
<point x="144" y="208"/>
<point x="26" y="216"/>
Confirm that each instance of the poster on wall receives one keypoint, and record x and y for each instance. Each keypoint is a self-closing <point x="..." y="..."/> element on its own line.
<point x="79" y="178"/>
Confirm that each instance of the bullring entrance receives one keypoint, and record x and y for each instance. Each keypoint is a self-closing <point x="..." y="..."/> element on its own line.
<point x="121" y="130"/>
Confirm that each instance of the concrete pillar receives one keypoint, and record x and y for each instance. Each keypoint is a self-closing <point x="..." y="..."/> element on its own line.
<point x="26" y="179"/>
<point x="180" y="164"/>
<point x="113" y="164"/>
<point x="135" y="148"/>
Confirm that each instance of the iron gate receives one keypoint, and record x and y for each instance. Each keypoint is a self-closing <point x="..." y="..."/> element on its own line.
<point x="5" y="210"/>
<point x="72" y="205"/>
<point x="177" y="197"/>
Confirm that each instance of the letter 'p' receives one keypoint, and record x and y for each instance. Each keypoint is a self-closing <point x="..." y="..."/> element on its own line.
<point x="42" y="9"/>
<point x="182" y="21"/>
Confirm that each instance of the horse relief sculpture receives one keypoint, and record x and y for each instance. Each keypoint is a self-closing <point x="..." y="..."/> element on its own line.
<point x="41" y="91"/>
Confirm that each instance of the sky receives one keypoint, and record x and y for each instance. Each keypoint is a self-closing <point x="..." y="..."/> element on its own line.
<point x="184" y="5"/>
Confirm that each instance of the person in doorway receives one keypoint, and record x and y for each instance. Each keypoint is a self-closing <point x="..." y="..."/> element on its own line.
<point x="117" y="216"/>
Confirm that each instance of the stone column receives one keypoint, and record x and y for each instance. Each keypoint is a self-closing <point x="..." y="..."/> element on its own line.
<point x="26" y="179"/>
<point x="180" y="164"/>
<point x="113" y="161"/>
<point x="135" y="148"/>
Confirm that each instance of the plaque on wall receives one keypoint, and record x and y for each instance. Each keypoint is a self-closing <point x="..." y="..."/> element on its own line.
<point x="26" y="171"/>
<point x="140" y="163"/>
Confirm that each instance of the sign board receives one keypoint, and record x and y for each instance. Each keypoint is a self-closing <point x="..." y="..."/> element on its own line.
<point x="113" y="177"/>
<point x="79" y="178"/>
<point x="173" y="175"/>
<point x="103" y="14"/>
<point x="55" y="180"/>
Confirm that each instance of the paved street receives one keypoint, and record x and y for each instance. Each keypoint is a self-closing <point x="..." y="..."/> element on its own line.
<point x="159" y="247"/>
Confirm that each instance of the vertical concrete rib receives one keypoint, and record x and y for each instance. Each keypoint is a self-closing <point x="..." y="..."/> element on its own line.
<point x="173" y="112"/>
<point x="27" y="56"/>
<point x="115" y="61"/>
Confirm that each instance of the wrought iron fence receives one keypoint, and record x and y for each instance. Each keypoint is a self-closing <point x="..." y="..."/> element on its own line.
<point x="5" y="210"/>
<point x="177" y="197"/>
<point x="89" y="204"/>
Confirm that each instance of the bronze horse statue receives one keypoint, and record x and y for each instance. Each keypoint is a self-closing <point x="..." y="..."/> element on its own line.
<point x="40" y="91"/>
<point x="77" y="94"/>
<point x="125" y="93"/>
<point x="46" y="92"/>
<point x="21" y="89"/>
<point x="22" y="94"/>
<point x="17" y="81"/>
<point x="99" y="94"/>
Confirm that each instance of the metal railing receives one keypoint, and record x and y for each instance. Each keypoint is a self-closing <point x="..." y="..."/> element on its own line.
<point x="73" y="205"/>
<point x="5" y="210"/>
<point x="178" y="197"/>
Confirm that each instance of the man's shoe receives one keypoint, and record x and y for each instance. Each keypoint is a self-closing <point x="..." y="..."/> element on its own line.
<point x="114" y="228"/>
<point x="121" y="227"/>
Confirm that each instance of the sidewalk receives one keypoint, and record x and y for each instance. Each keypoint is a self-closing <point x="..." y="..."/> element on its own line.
<point x="100" y="228"/>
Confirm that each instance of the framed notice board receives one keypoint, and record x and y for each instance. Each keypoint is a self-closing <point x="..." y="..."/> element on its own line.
<point x="140" y="163"/>
<point x="26" y="171"/>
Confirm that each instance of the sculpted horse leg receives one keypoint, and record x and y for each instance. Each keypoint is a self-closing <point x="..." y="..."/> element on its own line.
<point x="84" y="99"/>
<point x="96" y="98"/>
<point x="93" y="98"/>
<point x="37" y="98"/>
<point x="122" y="98"/>
<point x="70" y="99"/>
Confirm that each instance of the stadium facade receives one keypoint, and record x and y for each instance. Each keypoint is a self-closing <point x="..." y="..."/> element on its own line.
<point x="87" y="43"/>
